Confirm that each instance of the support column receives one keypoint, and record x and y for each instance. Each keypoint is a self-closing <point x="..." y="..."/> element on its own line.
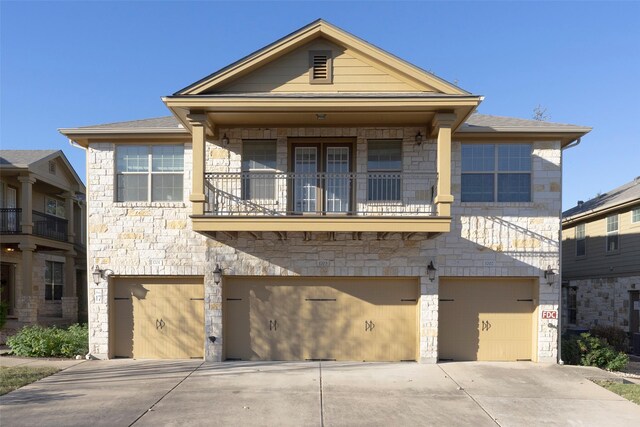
<point x="26" y="202"/>
<point x="199" y="126"/>
<point x="28" y="306"/>
<point x="69" y="293"/>
<point x="68" y="199"/>
<point x="442" y="123"/>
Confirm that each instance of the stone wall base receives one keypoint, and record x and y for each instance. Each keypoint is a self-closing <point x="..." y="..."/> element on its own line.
<point x="70" y="309"/>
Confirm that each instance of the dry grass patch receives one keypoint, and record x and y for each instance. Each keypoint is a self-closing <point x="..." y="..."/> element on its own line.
<point x="12" y="378"/>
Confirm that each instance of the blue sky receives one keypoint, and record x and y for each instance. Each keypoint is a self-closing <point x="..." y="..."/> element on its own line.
<point x="67" y="64"/>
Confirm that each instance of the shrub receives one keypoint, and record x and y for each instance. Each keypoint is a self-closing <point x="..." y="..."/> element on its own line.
<point x="571" y="350"/>
<point x="614" y="336"/>
<point x="596" y="351"/>
<point x="38" y="341"/>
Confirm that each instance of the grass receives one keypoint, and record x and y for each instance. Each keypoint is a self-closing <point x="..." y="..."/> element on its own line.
<point x="12" y="378"/>
<point x="630" y="392"/>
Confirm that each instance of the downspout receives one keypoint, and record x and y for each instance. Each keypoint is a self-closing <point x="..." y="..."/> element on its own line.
<point x="559" y="330"/>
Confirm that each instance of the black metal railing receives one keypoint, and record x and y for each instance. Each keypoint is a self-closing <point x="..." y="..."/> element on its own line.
<point x="49" y="226"/>
<point x="10" y="220"/>
<point x="278" y="193"/>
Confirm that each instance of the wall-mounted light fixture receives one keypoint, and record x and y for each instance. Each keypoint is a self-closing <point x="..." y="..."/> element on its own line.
<point x="550" y="275"/>
<point x="419" y="138"/>
<point x="99" y="274"/>
<point x="217" y="275"/>
<point x="431" y="271"/>
<point x="225" y="139"/>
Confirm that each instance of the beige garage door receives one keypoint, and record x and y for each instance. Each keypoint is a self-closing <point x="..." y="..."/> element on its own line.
<point x="320" y="319"/>
<point x="157" y="318"/>
<point x="486" y="319"/>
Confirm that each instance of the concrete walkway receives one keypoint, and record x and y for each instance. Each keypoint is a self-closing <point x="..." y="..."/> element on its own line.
<point x="192" y="393"/>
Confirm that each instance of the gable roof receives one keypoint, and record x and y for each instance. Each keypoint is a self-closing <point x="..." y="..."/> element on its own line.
<point x="626" y="194"/>
<point x="312" y="31"/>
<point x="26" y="159"/>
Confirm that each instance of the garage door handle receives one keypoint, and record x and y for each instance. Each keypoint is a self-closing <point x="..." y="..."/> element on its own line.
<point x="369" y="325"/>
<point x="273" y="325"/>
<point x="486" y="325"/>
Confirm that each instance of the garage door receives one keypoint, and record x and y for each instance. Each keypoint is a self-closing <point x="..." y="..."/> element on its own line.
<point x="321" y="319"/>
<point x="158" y="318"/>
<point x="486" y="319"/>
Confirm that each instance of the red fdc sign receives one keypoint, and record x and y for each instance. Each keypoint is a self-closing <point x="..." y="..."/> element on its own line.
<point x="550" y="314"/>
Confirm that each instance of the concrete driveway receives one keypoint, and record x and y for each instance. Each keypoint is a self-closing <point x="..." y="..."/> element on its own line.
<point x="192" y="393"/>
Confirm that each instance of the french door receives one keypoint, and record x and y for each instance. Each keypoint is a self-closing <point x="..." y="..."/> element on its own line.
<point x="322" y="180"/>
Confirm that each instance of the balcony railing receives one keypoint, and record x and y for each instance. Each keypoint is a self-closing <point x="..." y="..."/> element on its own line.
<point x="10" y="220"/>
<point x="284" y="194"/>
<point x="49" y="226"/>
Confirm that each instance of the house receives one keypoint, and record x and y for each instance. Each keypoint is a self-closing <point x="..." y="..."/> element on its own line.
<point x="324" y="199"/>
<point x="601" y="260"/>
<point x="42" y="235"/>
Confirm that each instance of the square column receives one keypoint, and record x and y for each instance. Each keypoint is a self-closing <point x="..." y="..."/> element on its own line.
<point x="28" y="306"/>
<point x="26" y="202"/>
<point x="442" y="123"/>
<point x="69" y="295"/>
<point x="199" y="125"/>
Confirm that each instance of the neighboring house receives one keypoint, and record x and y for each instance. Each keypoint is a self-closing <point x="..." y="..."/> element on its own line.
<point x="42" y="235"/>
<point x="601" y="260"/>
<point x="323" y="199"/>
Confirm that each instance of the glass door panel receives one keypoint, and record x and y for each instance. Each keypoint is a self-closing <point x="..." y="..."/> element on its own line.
<point x="306" y="179"/>
<point x="337" y="188"/>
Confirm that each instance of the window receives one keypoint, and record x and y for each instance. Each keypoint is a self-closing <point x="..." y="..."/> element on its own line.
<point x="52" y="167"/>
<point x="384" y="166"/>
<point x="55" y="207"/>
<point x="320" y="64"/>
<point x="496" y="172"/>
<point x="53" y="280"/>
<point x="635" y="215"/>
<point x="612" y="233"/>
<point x="150" y="173"/>
<point x="572" y="305"/>
<point x="258" y="170"/>
<point x="581" y="240"/>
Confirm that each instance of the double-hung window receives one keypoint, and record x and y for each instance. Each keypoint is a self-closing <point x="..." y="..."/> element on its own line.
<point x="258" y="170"/>
<point x="384" y="167"/>
<point x="496" y="173"/>
<point x="635" y="215"/>
<point x="55" y="207"/>
<point x="150" y="173"/>
<point x="613" y="244"/>
<point x="581" y="240"/>
<point x="53" y="280"/>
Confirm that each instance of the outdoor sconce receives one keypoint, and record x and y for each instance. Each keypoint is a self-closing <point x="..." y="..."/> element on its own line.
<point x="99" y="274"/>
<point x="225" y="139"/>
<point x="431" y="271"/>
<point x="550" y="275"/>
<point x="419" y="138"/>
<point x="217" y="275"/>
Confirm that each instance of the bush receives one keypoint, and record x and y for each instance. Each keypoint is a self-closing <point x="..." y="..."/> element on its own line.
<point x="571" y="350"/>
<point x="594" y="351"/>
<point x="38" y="341"/>
<point x="614" y="336"/>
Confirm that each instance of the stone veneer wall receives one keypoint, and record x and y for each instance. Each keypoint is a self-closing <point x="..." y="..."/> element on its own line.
<point x="604" y="301"/>
<point x="486" y="239"/>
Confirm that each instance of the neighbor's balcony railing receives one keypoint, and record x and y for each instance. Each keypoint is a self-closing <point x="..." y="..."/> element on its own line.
<point x="49" y="226"/>
<point x="10" y="220"/>
<point x="280" y="194"/>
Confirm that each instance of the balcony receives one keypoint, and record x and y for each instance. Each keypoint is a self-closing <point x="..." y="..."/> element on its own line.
<point x="10" y="220"/>
<point x="49" y="226"/>
<point x="329" y="202"/>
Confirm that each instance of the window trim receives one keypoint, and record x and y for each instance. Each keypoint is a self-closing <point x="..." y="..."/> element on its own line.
<point x="637" y="220"/>
<point x="150" y="173"/>
<point x="53" y="284"/>
<point x="329" y="64"/>
<point x="611" y="234"/>
<point x="393" y="141"/>
<point x="496" y="172"/>
<point x="248" y="172"/>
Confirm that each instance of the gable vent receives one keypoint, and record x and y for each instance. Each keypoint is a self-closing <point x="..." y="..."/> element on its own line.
<point x="320" y="66"/>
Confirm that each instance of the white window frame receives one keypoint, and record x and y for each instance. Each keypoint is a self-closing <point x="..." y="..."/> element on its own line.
<point x="53" y="283"/>
<point x="582" y="238"/>
<point x="613" y="233"/>
<point x="149" y="172"/>
<point x="259" y="173"/>
<point x="60" y="204"/>
<point x="496" y="172"/>
<point x="395" y="144"/>
<point x="635" y="215"/>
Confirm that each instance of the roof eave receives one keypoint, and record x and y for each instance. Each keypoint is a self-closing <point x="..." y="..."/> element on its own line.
<point x="602" y="210"/>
